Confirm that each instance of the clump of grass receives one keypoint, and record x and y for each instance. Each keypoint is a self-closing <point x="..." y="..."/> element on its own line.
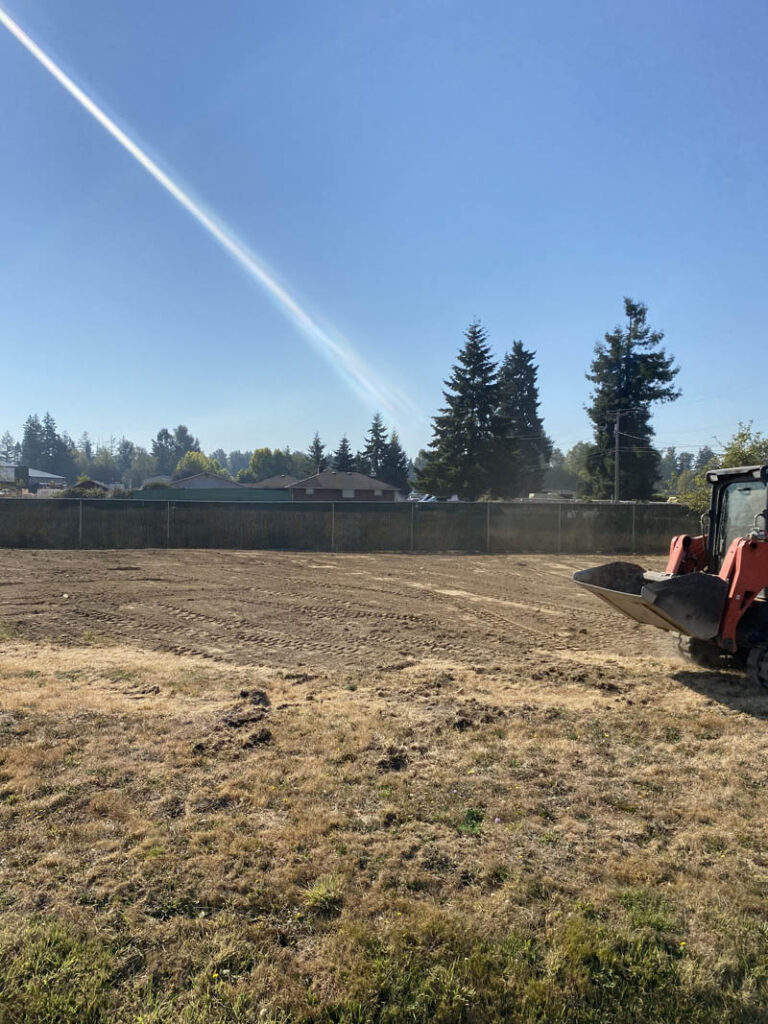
<point x="324" y="897"/>
<point x="51" y="974"/>
<point x="8" y="631"/>
<point x="471" y="823"/>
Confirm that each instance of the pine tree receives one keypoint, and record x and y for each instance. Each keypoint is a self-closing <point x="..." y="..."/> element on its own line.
<point x="630" y="372"/>
<point x="50" y="445"/>
<point x="375" y="450"/>
<point x="85" y="446"/>
<point x="32" y="443"/>
<point x="519" y="406"/>
<point x="316" y="454"/>
<point x="466" y="453"/>
<point x="394" y="465"/>
<point x="8" y="448"/>
<point x="343" y="460"/>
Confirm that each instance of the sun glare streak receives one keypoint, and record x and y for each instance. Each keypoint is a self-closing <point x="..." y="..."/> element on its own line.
<point x="342" y="358"/>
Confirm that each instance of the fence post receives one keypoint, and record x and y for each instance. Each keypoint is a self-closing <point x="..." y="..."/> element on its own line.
<point x="80" y="525"/>
<point x="488" y="527"/>
<point x="634" y="512"/>
<point x="333" y="526"/>
<point x="559" y="527"/>
<point x="413" y="512"/>
<point x="168" y="524"/>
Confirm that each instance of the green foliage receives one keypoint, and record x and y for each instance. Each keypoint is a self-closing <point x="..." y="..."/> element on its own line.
<point x="316" y="454"/>
<point x="343" y="459"/>
<point x="470" y="453"/>
<point x="10" y="451"/>
<point x="630" y="372"/>
<point x="519" y="407"/>
<point x="168" y="448"/>
<point x="370" y="459"/>
<point x="268" y="462"/>
<point x="394" y="465"/>
<point x="747" y="447"/>
<point x="194" y="462"/>
<point x="50" y="974"/>
<point x="325" y="896"/>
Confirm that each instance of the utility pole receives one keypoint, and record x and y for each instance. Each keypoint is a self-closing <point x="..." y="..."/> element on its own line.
<point x="616" y="458"/>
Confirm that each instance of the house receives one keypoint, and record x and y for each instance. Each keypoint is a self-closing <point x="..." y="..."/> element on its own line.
<point x="203" y="481"/>
<point x="331" y="485"/>
<point x="28" y="478"/>
<point x="275" y="483"/>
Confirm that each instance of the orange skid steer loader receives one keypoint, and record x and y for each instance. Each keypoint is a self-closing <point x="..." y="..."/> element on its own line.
<point x="713" y="592"/>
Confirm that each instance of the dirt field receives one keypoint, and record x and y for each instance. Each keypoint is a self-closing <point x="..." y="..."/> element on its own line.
<point x="277" y="787"/>
<point x="339" y="613"/>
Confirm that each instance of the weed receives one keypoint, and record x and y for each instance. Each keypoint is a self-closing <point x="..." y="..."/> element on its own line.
<point x="324" y="897"/>
<point x="471" y="823"/>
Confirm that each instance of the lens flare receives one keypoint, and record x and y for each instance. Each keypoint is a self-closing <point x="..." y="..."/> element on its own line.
<point x="335" y="349"/>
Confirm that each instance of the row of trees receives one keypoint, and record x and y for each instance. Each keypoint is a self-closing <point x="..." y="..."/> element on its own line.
<point x="177" y="453"/>
<point x="489" y="439"/>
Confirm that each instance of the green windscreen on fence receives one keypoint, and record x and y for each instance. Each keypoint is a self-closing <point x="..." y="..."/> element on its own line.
<point x="493" y="527"/>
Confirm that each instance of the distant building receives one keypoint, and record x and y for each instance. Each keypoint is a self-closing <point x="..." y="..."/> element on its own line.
<point x="331" y="485"/>
<point x="275" y="483"/>
<point x="203" y="481"/>
<point x="29" y="479"/>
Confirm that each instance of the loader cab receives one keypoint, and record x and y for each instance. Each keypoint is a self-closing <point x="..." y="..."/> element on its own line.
<point x="738" y="496"/>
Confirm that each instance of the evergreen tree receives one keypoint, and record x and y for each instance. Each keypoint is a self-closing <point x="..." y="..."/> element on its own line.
<point x="394" y="465"/>
<point x="8" y="448"/>
<point x="703" y="459"/>
<point x="519" y="406"/>
<point x="32" y="443"/>
<point x="184" y="442"/>
<point x="220" y="456"/>
<point x="49" y="449"/>
<point x="630" y="372"/>
<point x="343" y="460"/>
<point x="316" y="454"/>
<point x="375" y="450"/>
<point x="85" y="446"/>
<point x="66" y="459"/>
<point x="164" y="452"/>
<point x="467" y="452"/>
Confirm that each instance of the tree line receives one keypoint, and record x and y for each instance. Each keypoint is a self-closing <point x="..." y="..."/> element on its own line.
<point x="177" y="453"/>
<point x="488" y="438"/>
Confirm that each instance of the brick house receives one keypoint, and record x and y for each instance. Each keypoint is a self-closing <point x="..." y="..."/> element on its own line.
<point x="331" y="485"/>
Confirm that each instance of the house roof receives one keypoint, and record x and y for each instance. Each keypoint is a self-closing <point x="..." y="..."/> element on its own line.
<point x="330" y="480"/>
<point x="274" y="483"/>
<point x="34" y="474"/>
<point x="182" y="481"/>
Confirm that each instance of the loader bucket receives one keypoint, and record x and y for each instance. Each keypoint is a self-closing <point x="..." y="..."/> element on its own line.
<point x="691" y="604"/>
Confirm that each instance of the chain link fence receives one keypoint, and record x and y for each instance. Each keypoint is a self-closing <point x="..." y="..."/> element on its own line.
<point x="497" y="528"/>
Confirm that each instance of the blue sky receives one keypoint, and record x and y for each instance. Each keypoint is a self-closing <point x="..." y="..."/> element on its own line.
<point x="402" y="168"/>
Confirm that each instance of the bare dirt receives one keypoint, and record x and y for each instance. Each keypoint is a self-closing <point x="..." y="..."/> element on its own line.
<point x="326" y="611"/>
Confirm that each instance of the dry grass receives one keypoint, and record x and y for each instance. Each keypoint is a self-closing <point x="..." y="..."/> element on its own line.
<point x="577" y="836"/>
